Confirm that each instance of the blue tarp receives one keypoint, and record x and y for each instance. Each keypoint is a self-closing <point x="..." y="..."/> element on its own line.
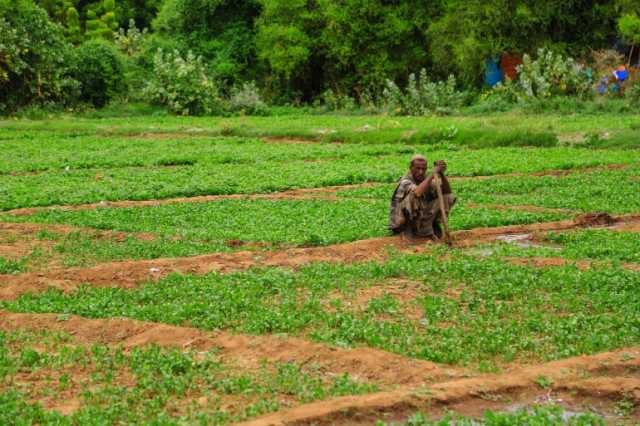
<point x="492" y="72"/>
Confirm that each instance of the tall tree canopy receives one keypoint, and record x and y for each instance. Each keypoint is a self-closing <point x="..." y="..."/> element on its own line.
<point x="222" y="31"/>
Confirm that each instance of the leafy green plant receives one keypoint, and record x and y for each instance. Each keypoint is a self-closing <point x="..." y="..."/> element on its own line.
<point x="9" y="266"/>
<point x="246" y="99"/>
<point x="100" y="71"/>
<point x="158" y="383"/>
<point x="552" y="74"/>
<point x="130" y="41"/>
<point x="101" y="20"/>
<point x="182" y="84"/>
<point x="34" y="57"/>
<point x="499" y="316"/>
<point x="422" y="96"/>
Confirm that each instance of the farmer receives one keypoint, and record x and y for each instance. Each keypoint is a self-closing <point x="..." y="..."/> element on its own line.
<point x="415" y="210"/>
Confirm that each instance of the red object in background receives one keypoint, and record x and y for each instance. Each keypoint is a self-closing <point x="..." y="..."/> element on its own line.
<point x="508" y="64"/>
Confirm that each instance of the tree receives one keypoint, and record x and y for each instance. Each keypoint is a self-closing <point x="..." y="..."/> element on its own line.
<point x="368" y="41"/>
<point x="34" y="57"/>
<point x="629" y="27"/>
<point x="221" y="31"/>
<point x="101" y="20"/>
<point x="470" y="31"/>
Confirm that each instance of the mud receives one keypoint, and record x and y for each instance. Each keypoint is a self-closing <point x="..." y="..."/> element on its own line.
<point x="129" y="274"/>
<point x="471" y="396"/>
<point x="626" y="227"/>
<point x="246" y="351"/>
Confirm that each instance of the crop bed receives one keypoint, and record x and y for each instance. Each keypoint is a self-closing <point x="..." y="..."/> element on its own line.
<point x="218" y="272"/>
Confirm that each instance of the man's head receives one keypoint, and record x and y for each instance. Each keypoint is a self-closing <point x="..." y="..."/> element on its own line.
<point x="418" y="167"/>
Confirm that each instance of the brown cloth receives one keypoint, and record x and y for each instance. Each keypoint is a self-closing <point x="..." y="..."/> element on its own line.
<point x="418" y="216"/>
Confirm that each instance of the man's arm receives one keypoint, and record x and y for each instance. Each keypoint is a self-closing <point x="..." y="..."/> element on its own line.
<point x="438" y="169"/>
<point x="424" y="186"/>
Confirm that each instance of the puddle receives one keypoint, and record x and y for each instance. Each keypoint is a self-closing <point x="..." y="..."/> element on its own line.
<point x="566" y="413"/>
<point x="485" y="252"/>
<point x="526" y="241"/>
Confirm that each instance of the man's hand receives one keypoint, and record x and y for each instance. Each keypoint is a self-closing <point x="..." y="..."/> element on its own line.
<point x="439" y="167"/>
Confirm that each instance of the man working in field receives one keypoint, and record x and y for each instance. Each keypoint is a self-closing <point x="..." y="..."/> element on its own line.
<point x="415" y="211"/>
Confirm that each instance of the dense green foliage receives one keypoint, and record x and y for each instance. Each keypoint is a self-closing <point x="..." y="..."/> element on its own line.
<point x="100" y="71"/>
<point x="219" y="30"/>
<point x="347" y="54"/>
<point x="33" y="54"/>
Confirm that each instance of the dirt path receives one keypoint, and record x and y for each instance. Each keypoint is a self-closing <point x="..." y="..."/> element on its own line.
<point x="373" y="365"/>
<point x="128" y="274"/>
<point x="603" y="378"/>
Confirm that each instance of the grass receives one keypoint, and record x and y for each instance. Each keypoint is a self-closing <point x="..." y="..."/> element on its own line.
<point x="147" y="385"/>
<point x="306" y="125"/>
<point x="502" y="313"/>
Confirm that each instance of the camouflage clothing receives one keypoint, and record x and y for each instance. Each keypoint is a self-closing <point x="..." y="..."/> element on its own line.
<point x="418" y="216"/>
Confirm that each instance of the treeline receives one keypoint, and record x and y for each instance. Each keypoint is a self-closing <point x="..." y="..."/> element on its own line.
<point x="212" y="56"/>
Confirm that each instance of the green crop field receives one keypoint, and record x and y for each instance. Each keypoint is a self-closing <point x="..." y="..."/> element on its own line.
<point x="181" y="270"/>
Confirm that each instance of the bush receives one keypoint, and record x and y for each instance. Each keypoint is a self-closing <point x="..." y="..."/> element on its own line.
<point x="100" y="71"/>
<point x="33" y="57"/>
<point x="182" y="85"/>
<point x="550" y="75"/>
<point x="247" y="100"/>
<point x="632" y="94"/>
<point x="334" y="101"/>
<point x="422" y="96"/>
<point x="496" y="139"/>
<point x="131" y="40"/>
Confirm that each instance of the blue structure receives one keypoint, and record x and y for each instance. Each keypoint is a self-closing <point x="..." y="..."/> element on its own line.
<point x="492" y="72"/>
